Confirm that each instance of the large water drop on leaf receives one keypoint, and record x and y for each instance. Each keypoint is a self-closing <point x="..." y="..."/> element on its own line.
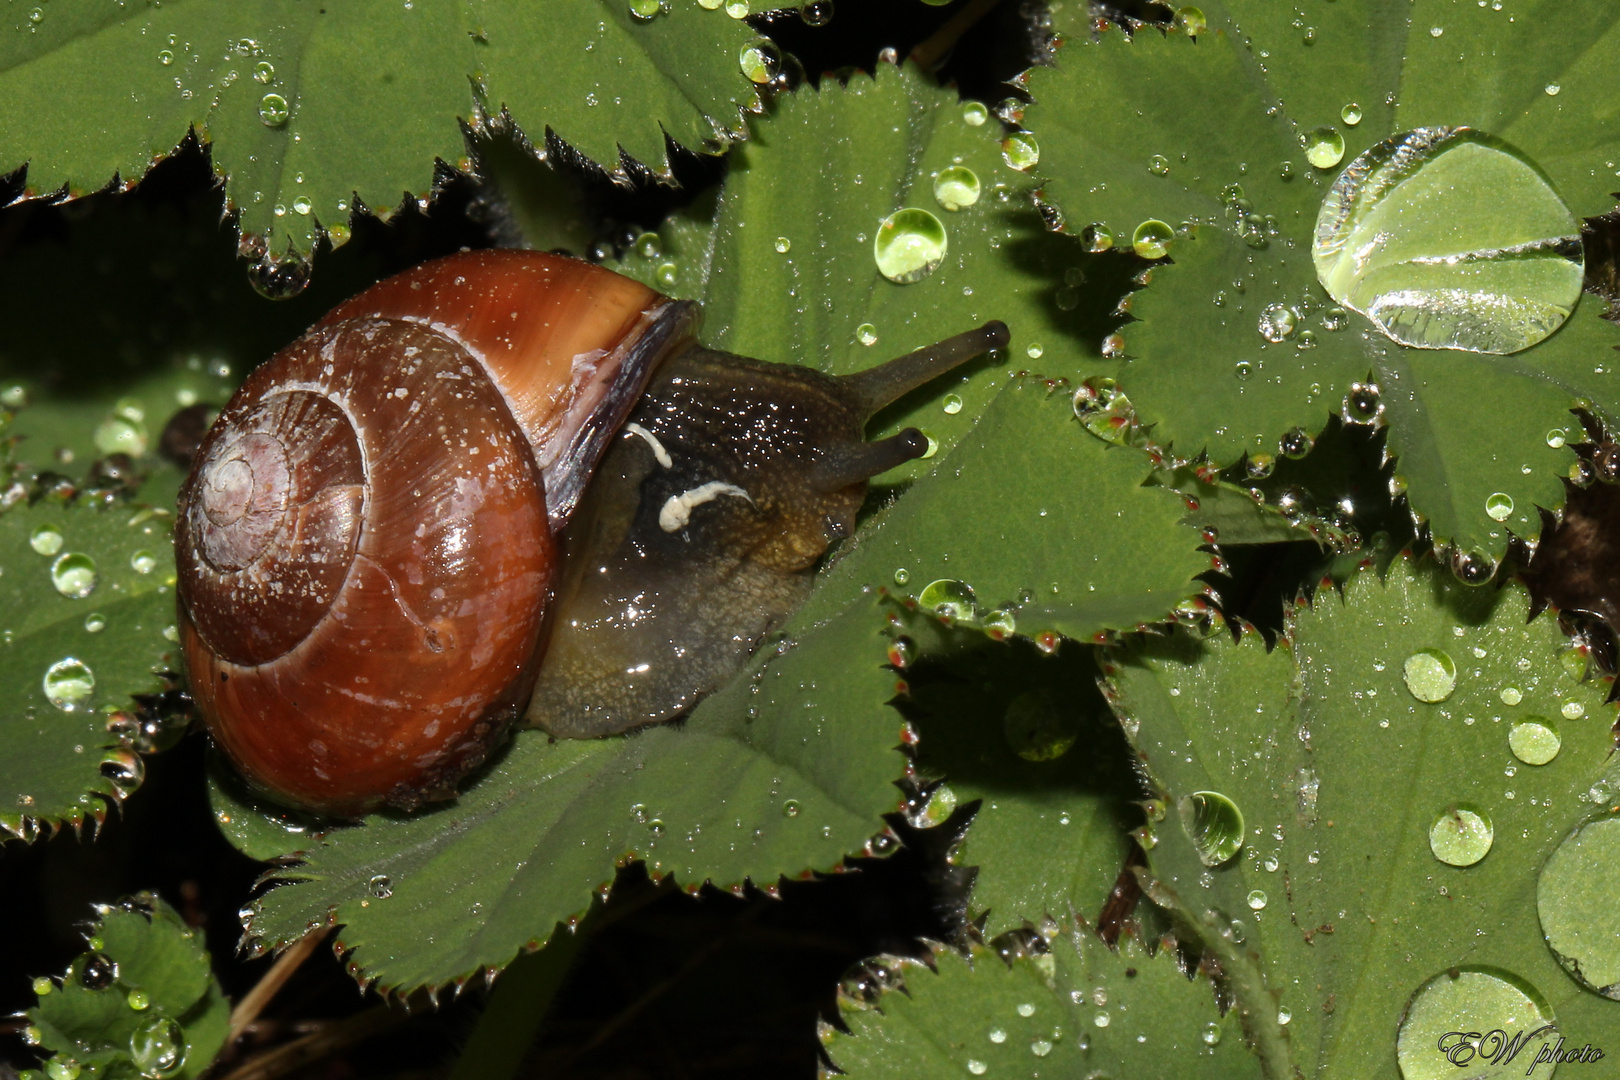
<point x="1430" y="675"/>
<point x="1485" y="1004"/>
<point x="158" y="1047"/>
<point x="1462" y="835"/>
<point x="1448" y="238"/>
<point x="1576" y="899"/>
<point x="909" y="245"/>
<point x="1214" y="824"/>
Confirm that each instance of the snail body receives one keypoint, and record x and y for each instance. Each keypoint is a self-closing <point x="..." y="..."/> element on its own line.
<point x="401" y="534"/>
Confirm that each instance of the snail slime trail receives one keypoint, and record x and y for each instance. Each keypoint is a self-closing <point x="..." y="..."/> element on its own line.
<point x="504" y="484"/>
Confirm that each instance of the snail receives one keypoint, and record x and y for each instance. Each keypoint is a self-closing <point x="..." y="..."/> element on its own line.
<point x="504" y="484"/>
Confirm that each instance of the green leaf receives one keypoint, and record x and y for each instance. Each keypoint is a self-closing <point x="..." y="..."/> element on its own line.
<point x="1097" y="551"/>
<point x="67" y="661"/>
<point x="1079" y="1010"/>
<point x="797" y="765"/>
<point x="313" y="110"/>
<point x="822" y="172"/>
<point x="1026" y="735"/>
<point x="1465" y="426"/>
<point x="143" y="985"/>
<point x="1338" y="908"/>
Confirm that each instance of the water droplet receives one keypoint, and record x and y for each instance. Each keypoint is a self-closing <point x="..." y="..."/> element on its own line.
<point x="1096" y="237"/>
<point x="939" y="806"/>
<point x="1350" y="114"/>
<point x="273" y="110"/>
<point x="302" y="205"/>
<point x="1191" y="21"/>
<point x="1534" y="740"/>
<point x="953" y="404"/>
<point x="1020" y="150"/>
<point x="143" y="562"/>
<point x="1243" y="369"/>
<point x="1284" y="1015"/>
<point x="977" y="1068"/>
<point x="1103" y="409"/>
<point x="165" y="57"/>
<point x="1040" y="1048"/>
<point x="1213" y="823"/>
<point x="1552" y="89"/>
<point x="264" y="71"/>
<point x="791" y="808"/>
<point x="1461" y="835"/>
<point x="37" y="16"/>
<point x="1159" y="165"/>
<point x="646" y="9"/>
<point x="1430" y="675"/>
<point x="649" y="245"/>
<point x="761" y="62"/>
<point x="1493" y="1000"/>
<point x="1499" y="506"/>
<point x="1511" y="695"/>
<point x="866" y="334"/>
<point x="46" y="539"/>
<point x="1151" y="240"/>
<point x="1277" y="322"/>
<point x="68" y="683"/>
<point x="948" y="598"/>
<point x="737" y="9"/>
<point x="60" y="1067"/>
<point x="998" y="1036"/>
<point x="1575" y="898"/>
<point x="974" y="113"/>
<point x="910" y="244"/>
<point x="1556" y="438"/>
<point x="1257" y="900"/>
<point x="956" y="187"/>
<point x="901" y="576"/>
<point x="1035" y="350"/>
<point x="1324" y="147"/>
<point x="74" y="575"/>
<point x="1211" y="1034"/>
<point x="1572" y="710"/>
<point x="380" y="887"/>
<point x="1295" y="444"/>
<point x="667" y="274"/>
<point x="123" y="768"/>
<point x="1039" y="727"/>
<point x="139" y="1000"/>
<point x="1407" y="237"/>
<point x="933" y="446"/>
<point x="1101" y="1020"/>
<point x="158" y="1047"/>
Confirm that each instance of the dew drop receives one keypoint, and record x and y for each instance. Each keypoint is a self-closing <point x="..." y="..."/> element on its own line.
<point x="1407" y="237"/>
<point x="1040" y="1048"/>
<point x="46" y="539"/>
<point x="974" y="113"/>
<point x="1096" y="237"/>
<point x="1499" y="506"/>
<point x="1511" y="695"/>
<point x="1101" y="1020"/>
<point x="74" y="575"/>
<point x="1572" y="710"/>
<point x="380" y="887"/>
<point x="1350" y="114"/>
<point x="1575" y="899"/>
<point x="956" y="187"/>
<point x="158" y="1047"/>
<point x="791" y="808"/>
<point x="1534" y="740"/>
<point x="1213" y="823"/>
<point x="302" y="205"/>
<point x="783" y="245"/>
<point x="165" y="57"/>
<point x="953" y="404"/>
<point x="649" y="245"/>
<point x="1556" y="438"/>
<point x="1553" y="89"/>
<point x="1159" y="165"/>
<point x="1491" y="999"/>
<point x="143" y="562"/>
<point x="139" y="1000"/>
<point x="1461" y="835"/>
<point x="1211" y="1034"/>
<point x="998" y="1036"/>
<point x="1324" y="147"/>
<point x="1284" y="1015"/>
<point x="1034" y="350"/>
<point x="1020" y="150"/>
<point x="1430" y="675"/>
<point x="1277" y="322"/>
<point x="1257" y="900"/>
<point x="68" y="684"/>
<point x="866" y="334"/>
<point x="646" y="9"/>
<point x="273" y="110"/>
<point x="1151" y="240"/>
<point x="901" y="576"/>
<point x="737" y="9"/>
<point x="910" y="244"/>
<point x="977" y="1068"/>
<point x="1191" y="21"/>
<point x="760" y="62"/>
<point x="264" y="71"/>
<point x="947" y="598"/>
<point x="667" y="274"/>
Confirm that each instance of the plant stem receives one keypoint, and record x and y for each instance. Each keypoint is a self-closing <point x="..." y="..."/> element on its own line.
<point x="928" y="54"/>
<point x="253" y="1002"/>
<point x="294" y="1055"/>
